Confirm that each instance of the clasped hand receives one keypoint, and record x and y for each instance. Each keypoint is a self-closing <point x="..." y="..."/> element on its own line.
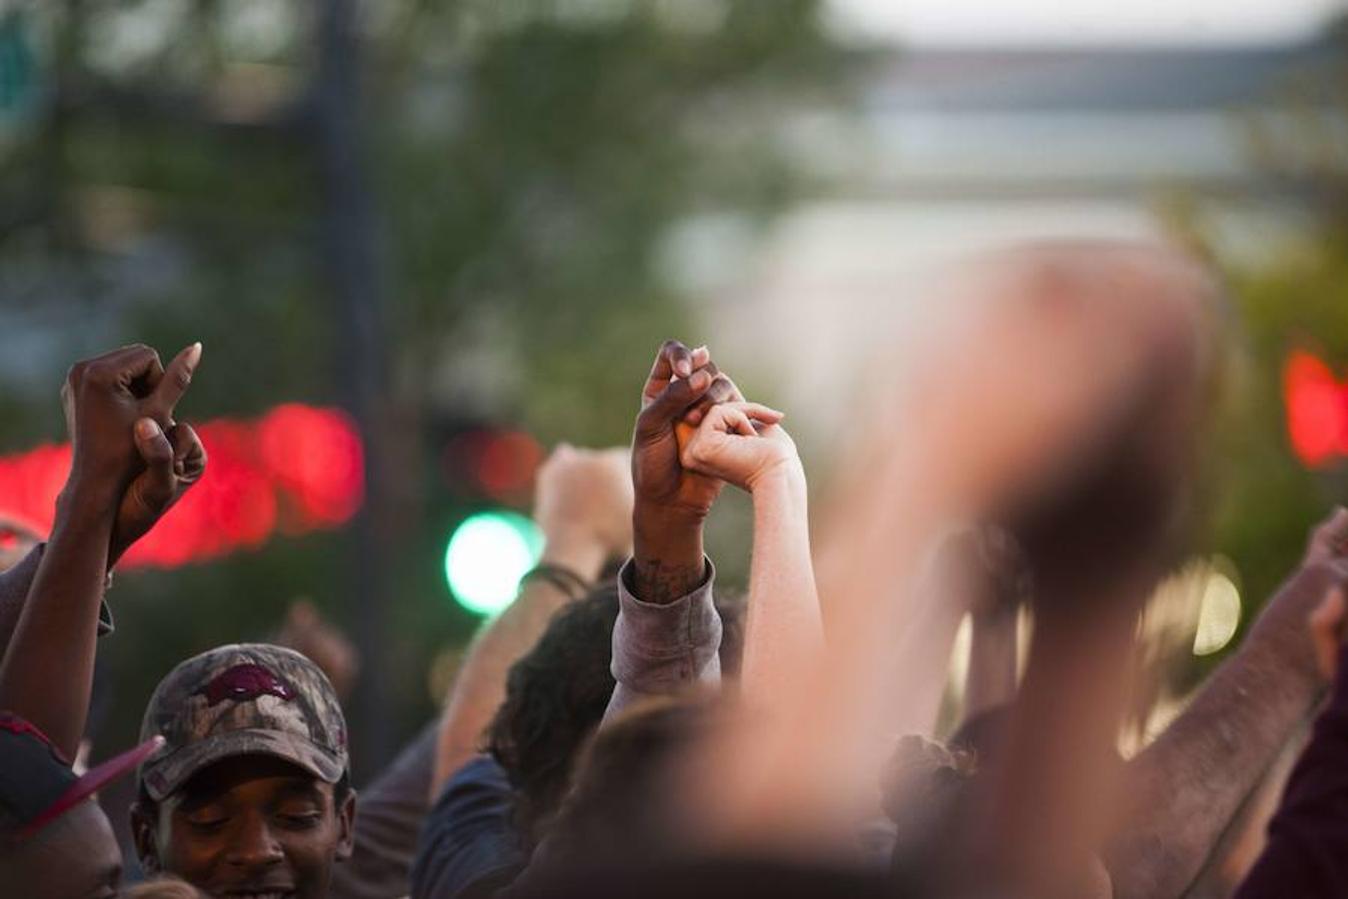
<point x="129" y="455"/>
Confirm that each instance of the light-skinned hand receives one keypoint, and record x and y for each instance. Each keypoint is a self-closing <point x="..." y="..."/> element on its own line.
<point x="742" y="444"/>
<point x="586" y="495"/>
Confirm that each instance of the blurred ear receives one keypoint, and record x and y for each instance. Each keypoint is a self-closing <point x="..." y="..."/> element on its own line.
<point x="346" y="823"/>
<point x="143" y="832"/>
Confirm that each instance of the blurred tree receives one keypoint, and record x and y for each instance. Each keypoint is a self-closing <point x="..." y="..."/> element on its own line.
<point x="1263" y="498"/>
<point x="526" y="160"/>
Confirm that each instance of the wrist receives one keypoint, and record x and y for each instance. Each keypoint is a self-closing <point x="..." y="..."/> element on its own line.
<point x="666" y="530"/>
<point x="654" y="517"/>
<point x="785" y="478"/>
<point x="576" y="550"/>
<point x="667" y="556"/>
<point x="80" y="503"/>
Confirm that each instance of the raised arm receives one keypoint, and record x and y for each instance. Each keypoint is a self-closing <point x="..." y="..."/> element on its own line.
<point x="119" y="485"/>
<point x="582" y="503"/>
<point x="668" y="632"/>
<point x="1307" y="849"/>
<point x="1185" y="787"/>
<point x="743" y="444"/>
<point x="671" y="502"/>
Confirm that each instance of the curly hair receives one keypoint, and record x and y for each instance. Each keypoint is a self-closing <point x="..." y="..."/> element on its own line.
<point x="555" y="698"/>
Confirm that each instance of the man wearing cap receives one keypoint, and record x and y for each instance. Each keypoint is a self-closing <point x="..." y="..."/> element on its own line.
<point x="250" y="794"/>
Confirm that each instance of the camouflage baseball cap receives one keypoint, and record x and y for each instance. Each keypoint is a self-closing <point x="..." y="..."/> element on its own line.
<point x="243" y="699"/>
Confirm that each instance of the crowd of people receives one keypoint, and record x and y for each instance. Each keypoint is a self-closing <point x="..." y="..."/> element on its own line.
<point x="629" y="727"/>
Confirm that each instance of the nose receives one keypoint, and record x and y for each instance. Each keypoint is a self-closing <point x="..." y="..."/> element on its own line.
<point x="253" y="844"/>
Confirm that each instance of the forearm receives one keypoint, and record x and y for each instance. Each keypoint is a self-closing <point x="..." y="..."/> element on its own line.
<point x="1184" y="789"/>
<point x="1307" y="849"/>
<point x="47" y="672"/>
<point x="783" y="627"/>
<point x="480" y="687"/>
<point x="1051" y="784"/>
<point x="667" y="554"/>
<point x="991" y="680"/>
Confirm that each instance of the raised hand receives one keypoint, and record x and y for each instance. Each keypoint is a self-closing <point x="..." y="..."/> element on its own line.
<point x="583" y="502"/>
<point x="681" y="385"/>
<point x="128" y="452"/>
<point x="173" y="462"/>
<point x="740" y="443"/>
<point x="672" y="502"/>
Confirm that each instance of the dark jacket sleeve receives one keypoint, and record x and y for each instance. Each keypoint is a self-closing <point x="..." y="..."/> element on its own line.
<point x="1307" y="850"/>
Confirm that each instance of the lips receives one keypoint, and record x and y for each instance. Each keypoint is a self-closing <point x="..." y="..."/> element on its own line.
<point x="258" y="893"/>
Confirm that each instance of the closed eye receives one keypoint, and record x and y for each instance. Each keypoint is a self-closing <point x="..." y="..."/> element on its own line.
<point x="301" y="820"/>
<point x="206" y="823"/>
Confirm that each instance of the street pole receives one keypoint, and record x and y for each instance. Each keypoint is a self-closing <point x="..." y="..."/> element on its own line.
<point x="353" y="264"/>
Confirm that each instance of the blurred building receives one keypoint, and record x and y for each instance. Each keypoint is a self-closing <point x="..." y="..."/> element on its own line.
<point x="958" y="150"/>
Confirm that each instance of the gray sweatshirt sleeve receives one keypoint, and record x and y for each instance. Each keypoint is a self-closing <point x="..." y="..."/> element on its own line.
<point x="659" y="649"/>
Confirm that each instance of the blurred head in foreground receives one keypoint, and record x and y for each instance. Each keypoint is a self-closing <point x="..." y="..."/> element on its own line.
<point x="55" y="840"/>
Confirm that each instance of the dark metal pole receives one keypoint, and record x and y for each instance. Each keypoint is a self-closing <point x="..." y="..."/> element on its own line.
<point x="352" y="263"/>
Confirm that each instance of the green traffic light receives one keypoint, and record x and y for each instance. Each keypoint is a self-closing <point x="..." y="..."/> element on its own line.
<point x="486" y="557"/>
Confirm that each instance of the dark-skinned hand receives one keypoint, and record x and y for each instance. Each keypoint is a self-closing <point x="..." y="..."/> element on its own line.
<point x="127" y="448"/>
<point x="683" y="383"/>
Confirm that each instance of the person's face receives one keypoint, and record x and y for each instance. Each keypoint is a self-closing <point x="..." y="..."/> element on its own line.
<point x="74" y="857"/>
<point x="250" y="826"/>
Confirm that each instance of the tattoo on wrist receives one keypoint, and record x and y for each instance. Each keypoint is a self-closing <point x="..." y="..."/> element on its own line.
<point x="658" y="582"/>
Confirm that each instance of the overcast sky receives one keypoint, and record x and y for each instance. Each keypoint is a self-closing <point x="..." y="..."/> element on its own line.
<point x="1086" y="21"/>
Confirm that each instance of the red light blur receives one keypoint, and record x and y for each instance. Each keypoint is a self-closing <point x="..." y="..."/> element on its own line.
<point x="1317" y="410"/>
<point x="501" y="464"/>
<point x="507" y="462"/>
<point x="297" y="469"/>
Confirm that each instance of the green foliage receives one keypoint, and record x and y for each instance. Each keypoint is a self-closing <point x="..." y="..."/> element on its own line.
<point x="1263" y="500"/>
<point x="527" y="159"/>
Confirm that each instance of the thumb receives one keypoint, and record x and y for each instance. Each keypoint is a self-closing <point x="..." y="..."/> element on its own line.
<point x="153" y="488"/>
